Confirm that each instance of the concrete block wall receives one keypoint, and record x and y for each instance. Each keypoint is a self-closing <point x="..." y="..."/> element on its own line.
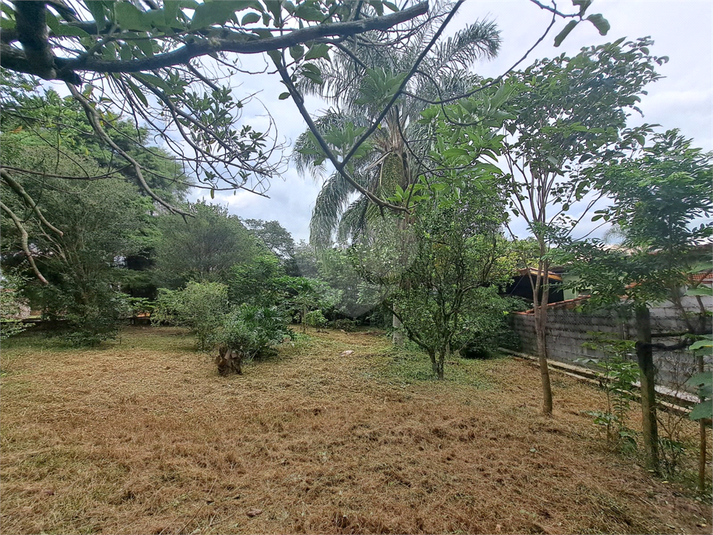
<point x="568" y="330"/>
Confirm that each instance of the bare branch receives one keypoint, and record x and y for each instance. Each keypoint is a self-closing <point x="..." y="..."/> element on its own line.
<point x="94" y="120"/>
<point x="24" y="241"/>
<point x="29" y="201"/>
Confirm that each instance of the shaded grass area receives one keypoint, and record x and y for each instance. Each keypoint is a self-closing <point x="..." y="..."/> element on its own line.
<point x="409" y="366"/>
<point x="143" y="436"/>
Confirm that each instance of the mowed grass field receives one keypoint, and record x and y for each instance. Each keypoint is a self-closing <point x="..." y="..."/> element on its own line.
<point x="143" y="437"/>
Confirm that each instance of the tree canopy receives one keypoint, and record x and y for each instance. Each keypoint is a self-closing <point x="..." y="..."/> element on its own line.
<point x="204" y="247"/>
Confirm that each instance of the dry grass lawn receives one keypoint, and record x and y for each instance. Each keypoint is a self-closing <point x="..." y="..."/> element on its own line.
<point x="143" y="437"/>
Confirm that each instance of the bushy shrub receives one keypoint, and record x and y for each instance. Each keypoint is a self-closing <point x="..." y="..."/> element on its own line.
<point x="316" y="319"/>
<point x="246" y="333"/>
<point x="89" y="324"/>
<point x="485" y="326"/>
<point x="10" y="306"/>
<point x="345" y="324"/>
<point x="300" y="296"/>
<point x="84" y="316"/>
<point x="239" y="333"/>
<point x="141" y="306"/>
<point x="201" y="307"/>
<point x="253" y="330"/>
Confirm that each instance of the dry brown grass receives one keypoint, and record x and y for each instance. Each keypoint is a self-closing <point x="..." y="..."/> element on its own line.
<point x="145" y="437"/>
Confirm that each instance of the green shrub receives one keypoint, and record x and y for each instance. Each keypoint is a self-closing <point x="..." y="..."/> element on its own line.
<point x="10" y="304"/>
<point x="240" y="333"/>
<point x="84" y="315"/>
<point x="619" y="371"/>
<point x="246" y="333"/>
<point x="345" y="324"/>
<point x="316" y="319"/>
<point x="89" y="324"/>
<point x="485" y="326"/>
<point x="252" y="330"/>
<point x="201" y="306"/>
<point x="141" y="305"/>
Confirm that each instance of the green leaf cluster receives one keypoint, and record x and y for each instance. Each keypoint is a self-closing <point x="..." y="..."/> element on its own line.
<point x="704" y="382"/>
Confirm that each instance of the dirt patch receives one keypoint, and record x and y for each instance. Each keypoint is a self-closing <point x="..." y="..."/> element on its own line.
<point x="145" y="437"/>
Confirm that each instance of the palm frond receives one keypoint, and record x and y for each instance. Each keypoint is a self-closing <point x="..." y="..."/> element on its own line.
<point x="478" y="40"/>
<point x="331" y="201"/>
<point x="357" y="80"/>
<point x="353" y="221"/>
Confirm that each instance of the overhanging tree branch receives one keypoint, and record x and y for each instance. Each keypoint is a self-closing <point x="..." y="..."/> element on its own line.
<point x="24" y="241"/>
<point x="29" y="201"/>
<point x="95" y="121"/>
<point x="29" y="62"/>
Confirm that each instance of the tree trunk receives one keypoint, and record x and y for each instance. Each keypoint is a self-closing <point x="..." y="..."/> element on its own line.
<point x="437" y="365"/>
<point x="542" y="359"/>
<point x="229" y="361"/>
<point x="645" y="358"/>
<point x="702" y="443"/>
<point x="540" y="304"/>
<point x="397" y="337"/>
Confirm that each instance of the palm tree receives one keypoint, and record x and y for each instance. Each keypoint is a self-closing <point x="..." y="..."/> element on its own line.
<point x="357" y="82"/>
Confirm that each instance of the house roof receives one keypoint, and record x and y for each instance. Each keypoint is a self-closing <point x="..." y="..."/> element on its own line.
<point x="705" y="277"/>
<point x="534" y="272"/>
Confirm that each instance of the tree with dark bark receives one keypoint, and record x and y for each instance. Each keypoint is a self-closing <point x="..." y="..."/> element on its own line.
<point x="662" y="199"/>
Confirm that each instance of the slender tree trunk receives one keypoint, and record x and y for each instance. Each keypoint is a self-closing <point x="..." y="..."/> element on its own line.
<point x="397" y="337"/>
<point x="540" y="306"/>
<point x="540" y="328"/>
<point x="437" y="365"/>
<point x="645" y="358"/>
<point x="702" y="443"/>
<point x="702" y="458"/>
<point x="434" y="362"/>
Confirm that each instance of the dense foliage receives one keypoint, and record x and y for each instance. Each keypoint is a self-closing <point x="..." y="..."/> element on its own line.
<point x="202" y="247"/>
<point x="658" y="195"/>
<point x="11" y="304"/>
<point x="441" y="273"/>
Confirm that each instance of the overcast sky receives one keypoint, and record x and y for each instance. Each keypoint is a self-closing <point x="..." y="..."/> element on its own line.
<point x="681" y="29"/>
